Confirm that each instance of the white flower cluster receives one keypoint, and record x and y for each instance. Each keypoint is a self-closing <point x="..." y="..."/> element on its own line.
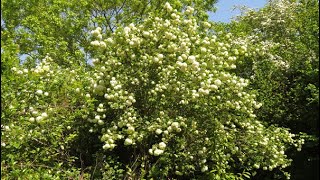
<point x="20" y="72"/>
<point x="158" y="149"/>
<point x="42" y="68"/>
<point x="124" y="128"/>
<point x="168" y="7"/>
<point x="40" y="92"/>
<point x="189" y="10"/>
<point x="36" y="116"/>
<point x="97" y="34"/>
<point x="279" y="62"/>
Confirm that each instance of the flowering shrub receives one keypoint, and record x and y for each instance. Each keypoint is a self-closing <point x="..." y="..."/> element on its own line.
<point x="42" y="118"/>
<point x="169" y="98"/>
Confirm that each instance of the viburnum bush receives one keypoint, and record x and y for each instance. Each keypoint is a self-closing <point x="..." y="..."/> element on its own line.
<point x="169" y="104"/>
<point x="43" y="121"/>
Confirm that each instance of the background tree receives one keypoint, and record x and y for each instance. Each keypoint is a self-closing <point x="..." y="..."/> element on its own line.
<point x="287" y="77"/>
<point x="61" y="28"/>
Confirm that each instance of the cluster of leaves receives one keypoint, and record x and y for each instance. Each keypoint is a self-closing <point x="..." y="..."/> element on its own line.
<point x="41" y="27"/>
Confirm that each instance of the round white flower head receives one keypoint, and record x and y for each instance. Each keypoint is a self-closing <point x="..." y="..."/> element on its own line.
<point x="167" y="6"/>
<point x="191" y="58"/>
<point x="100" y="122"/>
<point x="217" y="82"/>
<point x="151" y="151"/>
<point x="128" y="141"/>
<point x="39" y="92"/>
<point x="130" y="129"/>
<point x="109" y="40"/>
<point x="158" y="131"/>
<point x="157" y="152"/>
<point x="204" y="169"/>
<point x="31" y="119"/>
<point x="39" y="118"/>
<point x="175" y="124"/>
<point x="160" y="56"/>
<point x="106" y="146"/>
<point x="189" y="10"/>
<point x="95" y="43"/>
<point x="207" y="25"/>
<point x="44" y="115"/>
<point x="97" y="117"/>
<point x="146" y="33"/>
<point x="162" y="145"/>
<point x="126" y="30"/>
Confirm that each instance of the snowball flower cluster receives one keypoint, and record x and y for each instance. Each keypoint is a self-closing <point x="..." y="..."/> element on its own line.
<point x="97" y="34"/>
<point x="158" y="152"/>
<point x="38" y="118"/>
<point x="128" y="141"/>
<point x="168" y="7"/>
<point x="162" y="145"/>
<point x="39" y="92"/>
<point x="44" y="66"/>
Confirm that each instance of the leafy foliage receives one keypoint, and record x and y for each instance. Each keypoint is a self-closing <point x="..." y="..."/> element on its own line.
<point x="287" y="77"/>
<point x="41" y="120"/>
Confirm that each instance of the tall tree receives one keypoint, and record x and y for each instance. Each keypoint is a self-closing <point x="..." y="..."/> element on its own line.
<point x="61" y="27"/>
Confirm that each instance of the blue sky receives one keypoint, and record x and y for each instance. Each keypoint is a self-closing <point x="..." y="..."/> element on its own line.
<point x="225" y="12"/>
